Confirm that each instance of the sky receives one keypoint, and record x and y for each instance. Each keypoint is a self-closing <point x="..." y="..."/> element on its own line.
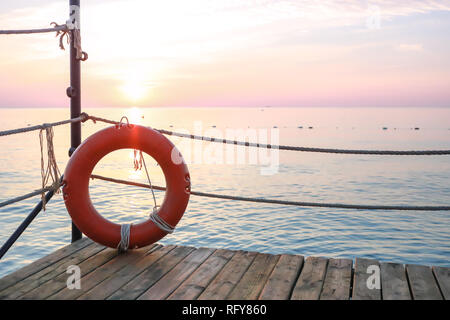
<point x="232" y="53"/>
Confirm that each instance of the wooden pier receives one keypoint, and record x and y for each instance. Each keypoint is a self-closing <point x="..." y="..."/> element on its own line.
<point x="179" y="272"/>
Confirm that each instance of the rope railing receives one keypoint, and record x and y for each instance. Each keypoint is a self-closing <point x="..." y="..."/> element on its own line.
<point x="282" y="202"/>
<point x="25" y="196"/>
<point x="309" y="149"/>
<point x="51" y="171"/>
<point x="83" y="117"/>
<point x="289" y="148"/>
<point x="56" y="28"/>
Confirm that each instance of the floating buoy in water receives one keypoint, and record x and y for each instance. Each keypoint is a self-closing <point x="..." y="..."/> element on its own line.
<point x="91" y="151"/>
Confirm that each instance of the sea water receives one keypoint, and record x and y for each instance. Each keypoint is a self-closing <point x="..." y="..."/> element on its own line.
<point x="396" y="236"/>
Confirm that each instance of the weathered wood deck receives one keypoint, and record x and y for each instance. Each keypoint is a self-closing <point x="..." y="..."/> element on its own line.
<point x="176" y="272"/>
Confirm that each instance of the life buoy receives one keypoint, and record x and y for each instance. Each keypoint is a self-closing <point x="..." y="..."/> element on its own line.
<point x="91" y="151"/>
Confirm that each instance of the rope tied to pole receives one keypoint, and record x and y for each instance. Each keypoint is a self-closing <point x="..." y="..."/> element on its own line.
<point x="51" y="170"/>
<point x="69" y="35"/>
<point x="63" y="31"/>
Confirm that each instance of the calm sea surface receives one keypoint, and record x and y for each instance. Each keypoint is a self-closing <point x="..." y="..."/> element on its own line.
<point x="405" y="237"/>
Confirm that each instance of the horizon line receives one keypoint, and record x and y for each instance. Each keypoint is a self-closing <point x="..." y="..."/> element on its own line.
<point x="231" y="107"/>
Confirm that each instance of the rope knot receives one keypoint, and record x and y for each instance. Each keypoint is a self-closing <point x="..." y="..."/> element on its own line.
<point x="64" y="33"/>
<point x="68" y="35"/>
<point x="85" y="117"/>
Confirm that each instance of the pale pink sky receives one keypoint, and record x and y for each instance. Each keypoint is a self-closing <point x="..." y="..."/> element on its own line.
<point x="233" y="53"/>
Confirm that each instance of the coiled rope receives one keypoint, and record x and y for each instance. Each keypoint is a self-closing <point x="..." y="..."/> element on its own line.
<point x="51" y="171"/>
<point x="124" y="238"/>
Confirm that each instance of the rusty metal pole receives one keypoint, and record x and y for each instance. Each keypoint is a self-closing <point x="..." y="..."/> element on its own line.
<point x="74" y="92"/>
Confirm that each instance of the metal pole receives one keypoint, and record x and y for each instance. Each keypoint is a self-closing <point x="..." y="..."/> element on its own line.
<point x="74" y="92"/>
<point x="24" y="224"/>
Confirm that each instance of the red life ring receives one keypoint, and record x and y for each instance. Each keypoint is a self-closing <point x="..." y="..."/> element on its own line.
<point x="89" y="153"/>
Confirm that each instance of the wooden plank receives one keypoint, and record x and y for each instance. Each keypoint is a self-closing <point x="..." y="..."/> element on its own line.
<point x="281" y="282"/>
<point x="60" y="282"/>
<point x="52" y="271"/>
<point x="254" y="279"/>
<point x="337" y="280"/>
<point x="422" y="282"/>
<point x="123" y="276"/>
<point x="178" y="273"/>
<point x="199" y="280"/>
<point x="310" y="282"/>
<point x="443" y="278"/>
<point x="361" y="290"/>
<point x="97" y="276"/>
<point x="167" y="284"/>
<point x="394" y="285"/>
<point x="151" y="275"/>
<point x="230" y="275"/>
<point x="42" y="263"/>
